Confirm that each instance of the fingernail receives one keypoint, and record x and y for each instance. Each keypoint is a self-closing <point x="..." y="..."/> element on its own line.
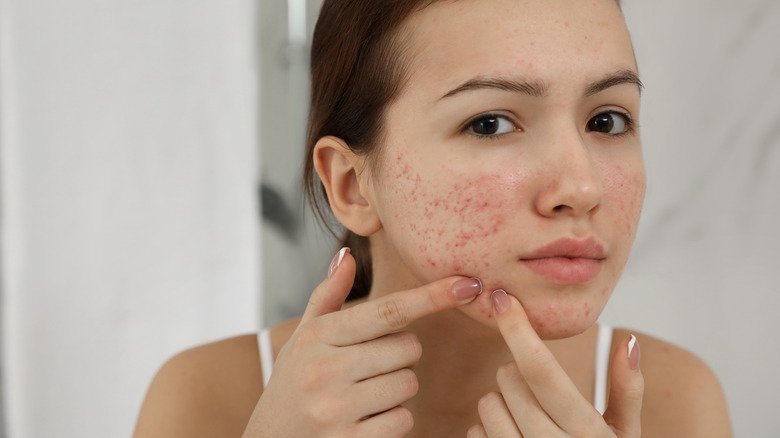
<point x="336" y="261"/>
<point x="500" y="301"/>
<point x="633" y="352"/>
<point x="467" y="288"/>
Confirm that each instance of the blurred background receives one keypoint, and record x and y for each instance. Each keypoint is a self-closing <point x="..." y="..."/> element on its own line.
<point x="150" y="154"/>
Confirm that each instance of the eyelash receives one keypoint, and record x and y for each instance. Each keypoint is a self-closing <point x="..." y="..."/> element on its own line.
<point x="630" y="125"/>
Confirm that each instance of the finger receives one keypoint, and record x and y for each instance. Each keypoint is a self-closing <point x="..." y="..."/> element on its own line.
<point x="495" y="416"/>
<point x="626" y="390"/>
<point x="384" y="392"/>
<point x="552" y="387"/>
<point x="476" y="431"/>
<point x="393" y="312"/>
<point x="329" y="295"/>
<point x="383" y="355"/>
<point x="395" y="422"/>
<point x="529" y="415"/>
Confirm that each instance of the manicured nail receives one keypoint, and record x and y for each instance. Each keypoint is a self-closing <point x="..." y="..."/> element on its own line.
<point x="467" y="288"/>
<point x="334" y="264"/>
<point x="633" y="352"/>
<point x="501" y="301"/>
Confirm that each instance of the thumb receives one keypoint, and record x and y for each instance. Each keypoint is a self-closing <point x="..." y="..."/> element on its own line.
<point x="329" y="295"/>
<point x="627" y="387"/>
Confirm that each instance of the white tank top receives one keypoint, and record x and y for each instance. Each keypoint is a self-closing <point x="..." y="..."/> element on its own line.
<point x="603" y="346"/>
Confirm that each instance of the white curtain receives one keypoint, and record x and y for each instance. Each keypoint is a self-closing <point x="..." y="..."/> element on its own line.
<point x="129" y="207"/>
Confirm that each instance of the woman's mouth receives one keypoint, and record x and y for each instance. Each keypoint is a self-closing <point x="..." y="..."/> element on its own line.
<point x="567" y="261"/>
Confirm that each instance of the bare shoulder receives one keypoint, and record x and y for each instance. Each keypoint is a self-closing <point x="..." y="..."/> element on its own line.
<point x="208" y="390"/>
<point x="683" y="397"/>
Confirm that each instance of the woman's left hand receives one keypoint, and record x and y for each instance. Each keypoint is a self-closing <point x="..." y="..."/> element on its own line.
<point x="538" y="399"/>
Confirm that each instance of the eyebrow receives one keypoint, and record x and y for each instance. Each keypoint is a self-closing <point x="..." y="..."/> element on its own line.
<point x="539" y="89"/>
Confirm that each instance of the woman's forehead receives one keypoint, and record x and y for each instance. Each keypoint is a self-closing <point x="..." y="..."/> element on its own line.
<point x="543" y="41"/>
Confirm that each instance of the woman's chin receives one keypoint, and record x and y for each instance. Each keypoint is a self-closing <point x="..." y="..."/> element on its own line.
<point x="549" y="320"/>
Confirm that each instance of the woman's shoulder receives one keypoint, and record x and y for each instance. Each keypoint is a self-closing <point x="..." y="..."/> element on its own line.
<point x="207" y="390"/>
<point x="682" y="396"/>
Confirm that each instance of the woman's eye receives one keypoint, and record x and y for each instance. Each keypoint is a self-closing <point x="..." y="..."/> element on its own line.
<point x="611" y="123"/>
<point x="491" y="125"/>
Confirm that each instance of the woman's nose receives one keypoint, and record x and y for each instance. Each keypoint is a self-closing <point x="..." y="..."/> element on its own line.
<point x="570" y="184"/>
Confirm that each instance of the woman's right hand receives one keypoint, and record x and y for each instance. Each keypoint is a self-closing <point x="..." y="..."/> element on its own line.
<point x="346" y="372"/>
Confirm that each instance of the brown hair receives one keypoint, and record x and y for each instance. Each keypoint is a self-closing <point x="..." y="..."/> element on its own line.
<point x="357" y="70"/>
<point x="356" y="73"/>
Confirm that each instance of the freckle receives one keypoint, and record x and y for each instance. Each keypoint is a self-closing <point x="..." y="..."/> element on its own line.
<point x="668" y="394"/>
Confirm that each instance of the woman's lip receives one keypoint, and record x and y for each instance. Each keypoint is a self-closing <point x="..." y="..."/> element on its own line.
<point x="566" y="247"/>
<point x="565" y="270"/>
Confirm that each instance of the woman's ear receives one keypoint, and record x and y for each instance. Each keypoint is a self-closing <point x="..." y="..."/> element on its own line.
<point x="349" y="192"/>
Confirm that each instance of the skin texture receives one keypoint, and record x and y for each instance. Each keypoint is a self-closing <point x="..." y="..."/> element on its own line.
<point x="440" y="202"/>
<point x="451" y="203"/>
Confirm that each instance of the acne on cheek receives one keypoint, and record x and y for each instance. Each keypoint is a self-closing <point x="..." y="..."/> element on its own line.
<point x="451" y="223"/>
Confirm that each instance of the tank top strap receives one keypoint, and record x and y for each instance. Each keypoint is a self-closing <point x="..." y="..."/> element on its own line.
<point x="266" y="354"/>
<point x="603" y="349"/>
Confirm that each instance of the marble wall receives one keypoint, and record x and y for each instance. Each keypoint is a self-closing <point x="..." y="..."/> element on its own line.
<point x="703" y="270"/>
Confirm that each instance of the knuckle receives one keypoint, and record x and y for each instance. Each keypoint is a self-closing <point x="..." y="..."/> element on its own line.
<point x="474" y="431"/>
<point x="311" y="381"/>
<point x="392" y="313"/>
<point x="507" y="372"/>
<point x="590" y="430"/>
<point x="322" y="412"/>
<point x="412" y="345"/>
<point x="409" y="383"/>
<point x="538" y="360"/>
<point x="489" y="402"/>
<point x="405" y="421"/>
<point x="316" y="374"/>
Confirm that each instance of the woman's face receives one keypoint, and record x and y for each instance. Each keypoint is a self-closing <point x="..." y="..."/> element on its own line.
<point x="513" y="131"/>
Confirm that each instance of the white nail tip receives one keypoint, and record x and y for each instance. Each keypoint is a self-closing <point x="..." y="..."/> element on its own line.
<point x="337" y="261"/>
<point x="631" y="344"/>
<point x="342" y="251"/>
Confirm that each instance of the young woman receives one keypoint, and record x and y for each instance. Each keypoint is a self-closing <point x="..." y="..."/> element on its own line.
<point x="484" y="158"/>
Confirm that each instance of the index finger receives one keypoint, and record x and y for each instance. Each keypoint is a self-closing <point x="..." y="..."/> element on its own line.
<point x="553" y="388"/>
<point x="391" y="313"/>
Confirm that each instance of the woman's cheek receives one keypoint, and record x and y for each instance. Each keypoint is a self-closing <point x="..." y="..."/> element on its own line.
<point x="624" y="193"/>
<point x="452" y="220"/>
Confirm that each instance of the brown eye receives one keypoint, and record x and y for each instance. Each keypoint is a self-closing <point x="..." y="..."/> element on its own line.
<point x="610" y="122"/>
<point x="490" y="125"/>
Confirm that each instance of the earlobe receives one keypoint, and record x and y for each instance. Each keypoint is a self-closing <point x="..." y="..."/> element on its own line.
<point x="349" y="194"/>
